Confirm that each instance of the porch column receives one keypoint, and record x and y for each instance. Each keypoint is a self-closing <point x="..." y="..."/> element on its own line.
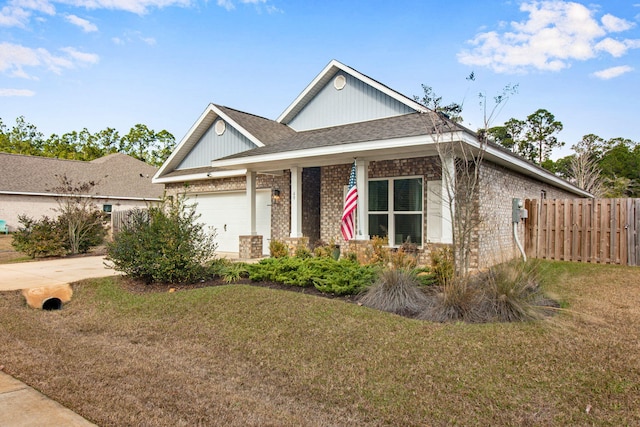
<point x="296" y="201"/>
<point x="362" y="184"/>
<point x="448" y="188"/>
<point x="251" y="201"/>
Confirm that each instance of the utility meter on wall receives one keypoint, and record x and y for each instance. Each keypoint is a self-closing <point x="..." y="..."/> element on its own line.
<point x="518" y="211"/>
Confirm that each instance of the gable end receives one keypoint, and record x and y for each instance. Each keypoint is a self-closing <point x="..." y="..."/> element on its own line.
<point x="218" y="141"/>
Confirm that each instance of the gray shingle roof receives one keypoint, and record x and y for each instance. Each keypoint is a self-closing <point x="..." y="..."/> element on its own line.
<point x="406" y="125"/>
<point x="267" y="131"/>
<point x="116" y="175"/>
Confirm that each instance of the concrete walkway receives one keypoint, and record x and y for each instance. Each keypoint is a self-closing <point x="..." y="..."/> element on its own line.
<point x="25" y="275"/>
<point x="21" y="405"/>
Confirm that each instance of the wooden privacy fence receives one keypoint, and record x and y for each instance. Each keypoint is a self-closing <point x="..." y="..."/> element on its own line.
<point x="118" y="219"/>
<point x="584" y="230"/>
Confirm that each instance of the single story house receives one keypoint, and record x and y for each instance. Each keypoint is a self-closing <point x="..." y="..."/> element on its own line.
<point x="256" y="179"/>
<point x="28" y="184"/>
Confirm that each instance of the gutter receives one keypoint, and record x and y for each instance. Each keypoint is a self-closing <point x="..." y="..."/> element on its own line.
<point x="84" y="196"/>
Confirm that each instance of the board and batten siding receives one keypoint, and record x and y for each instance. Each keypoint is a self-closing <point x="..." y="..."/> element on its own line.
<point x="212" y="146"/>
<point x="356" y="102"/>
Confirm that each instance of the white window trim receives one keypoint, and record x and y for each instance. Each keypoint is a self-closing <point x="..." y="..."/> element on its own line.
<point x="391" y="212"/>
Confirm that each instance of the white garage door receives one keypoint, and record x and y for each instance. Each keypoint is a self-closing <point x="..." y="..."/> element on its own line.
<point x="228" y="213"/>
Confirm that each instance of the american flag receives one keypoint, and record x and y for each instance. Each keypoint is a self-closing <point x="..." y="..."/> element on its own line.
<point x="347" y="226"/>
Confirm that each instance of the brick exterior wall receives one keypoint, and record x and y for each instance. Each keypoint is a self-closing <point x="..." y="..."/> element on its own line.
<point x="335" y="177"/>
<point x="498" y="186"/>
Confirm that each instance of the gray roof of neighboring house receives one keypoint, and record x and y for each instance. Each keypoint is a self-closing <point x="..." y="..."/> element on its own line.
<point x="115" y="175"/>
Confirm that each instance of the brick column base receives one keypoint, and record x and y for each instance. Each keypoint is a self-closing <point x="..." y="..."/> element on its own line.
<point x="250" y="247"/>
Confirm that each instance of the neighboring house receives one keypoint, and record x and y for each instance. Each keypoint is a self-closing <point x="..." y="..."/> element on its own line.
<point x="256" y="179"/>
<point x="27" y="184"/>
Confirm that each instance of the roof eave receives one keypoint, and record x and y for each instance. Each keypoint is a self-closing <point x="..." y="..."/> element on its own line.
<point x="200" y="176"/>
<point x="422" y="145"/>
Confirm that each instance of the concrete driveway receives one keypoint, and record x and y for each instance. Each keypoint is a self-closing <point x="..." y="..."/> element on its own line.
<point x="25" y="275"/>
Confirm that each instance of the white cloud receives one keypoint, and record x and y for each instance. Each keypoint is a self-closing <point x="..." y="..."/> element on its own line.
<point x="86" y="26"/>
<point x="613" y="72"/>
<point x="43" y="6"/>
<point x="81" y="57"/>
<point x="15" y="58"/>
<point x="132" y="37"/>
<point x="555" y="34"/>
<point x="16" y="92"/>
<point x="615" y="25"/>
<point x="613" y="47"/>
<point x="231" y="4"/>
<point x="139" y="7"/>
<point x="14" y="17"/>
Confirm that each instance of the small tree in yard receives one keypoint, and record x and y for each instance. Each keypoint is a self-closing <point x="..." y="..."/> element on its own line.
<point x="80" y="220"/>
<point x="78" y="226"/>
<point x="164" y="243"/>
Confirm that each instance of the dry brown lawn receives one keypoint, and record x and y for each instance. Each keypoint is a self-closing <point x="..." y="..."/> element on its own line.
<point x="243" y="355"/>
<point x="7" y="252"/>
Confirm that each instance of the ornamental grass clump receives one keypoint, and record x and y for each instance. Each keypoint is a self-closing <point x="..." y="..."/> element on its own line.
<point x="513" y="290"/>
<point x="459" y="299"/>
<point x="396" y="291"/>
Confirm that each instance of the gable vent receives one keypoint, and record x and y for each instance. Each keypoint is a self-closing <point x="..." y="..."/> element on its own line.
<point x="220" y="127"/>
<point x="340" y="82"/>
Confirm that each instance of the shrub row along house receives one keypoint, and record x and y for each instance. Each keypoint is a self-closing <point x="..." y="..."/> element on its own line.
<point x="30" y="185"/>
<point x="256" y="179"/>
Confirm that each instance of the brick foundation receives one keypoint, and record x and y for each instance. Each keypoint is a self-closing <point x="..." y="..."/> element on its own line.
<point x="250" y="247"/>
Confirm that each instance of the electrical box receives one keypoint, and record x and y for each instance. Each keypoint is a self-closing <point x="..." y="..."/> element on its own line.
<point x="518" y="212"/>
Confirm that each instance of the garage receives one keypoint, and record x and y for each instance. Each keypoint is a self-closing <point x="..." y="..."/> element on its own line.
<point x="228" y="214"/>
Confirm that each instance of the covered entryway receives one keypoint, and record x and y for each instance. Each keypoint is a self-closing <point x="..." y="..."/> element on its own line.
<point x="228" y="214"/>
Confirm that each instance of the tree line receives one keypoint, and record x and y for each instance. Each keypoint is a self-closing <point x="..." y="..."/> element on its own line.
<point x="140" y="142"/>
<point x="606" y="168"/>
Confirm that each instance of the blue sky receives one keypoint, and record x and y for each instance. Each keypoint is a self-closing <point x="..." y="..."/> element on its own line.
<point x="70" y="64"/>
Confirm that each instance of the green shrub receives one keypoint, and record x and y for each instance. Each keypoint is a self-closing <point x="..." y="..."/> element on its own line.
<point x="302" y="252"/>
<point x="341" y="277"/>
<point x="442" y="264"/>
<point x="396" y="291"/>
<point x="425" y="276"/>
<point x="278" y="249"/>
<point x="82" y="229"/>
<point x="163" y="244"/>
<point x="323" y="250"/>
<point x="234" y="271"/>
<point x="39" y="238"/>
